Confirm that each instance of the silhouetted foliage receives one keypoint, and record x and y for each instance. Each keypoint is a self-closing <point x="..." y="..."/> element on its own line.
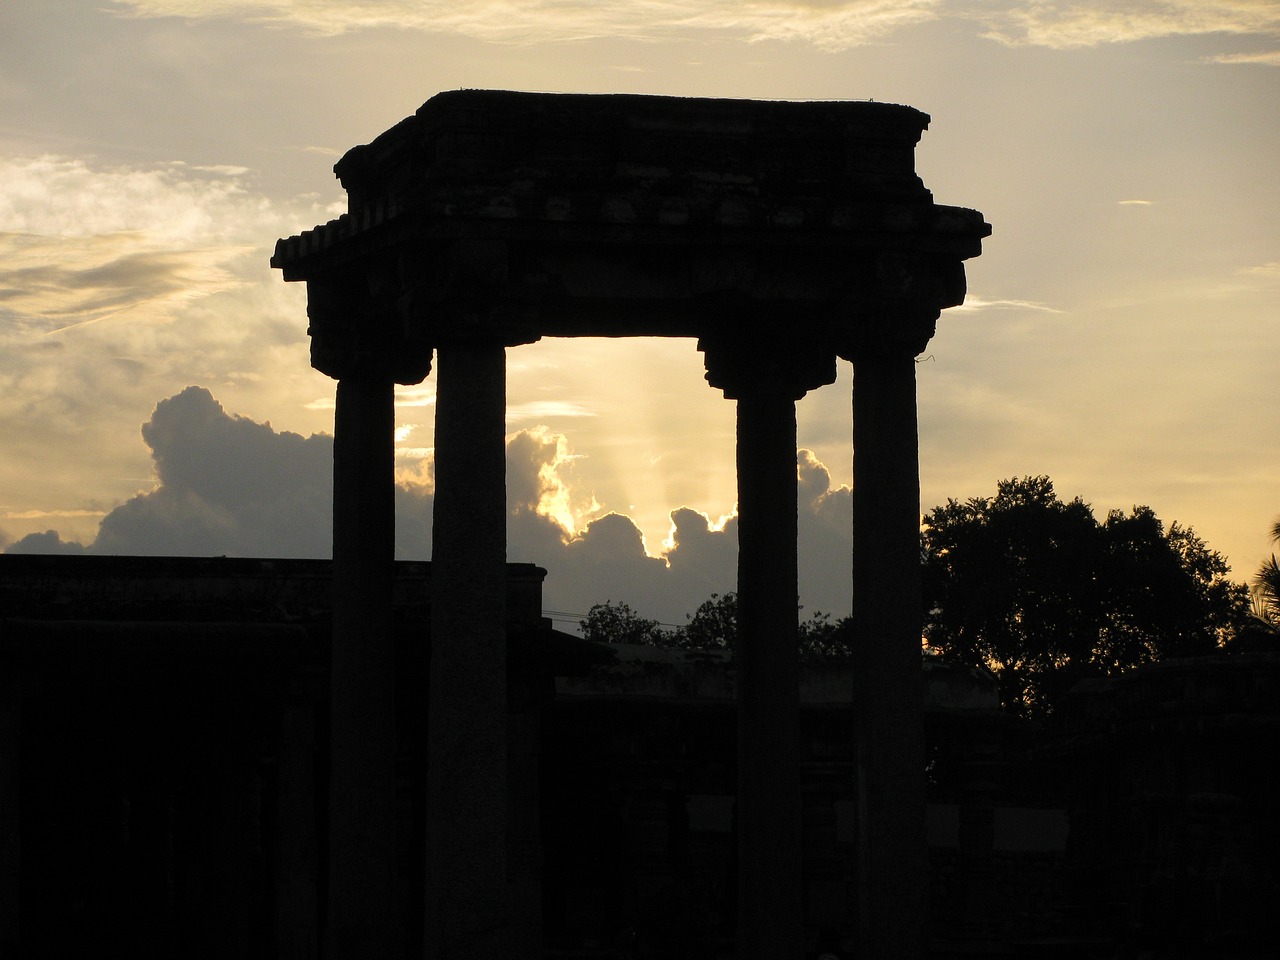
<point x="611" y="622"/>
<point x="823" y="640"/>
<point x="713" y="626"/>
<point x="1266" y="585"/>
<point x="1038" y="591"/>
<point x="1262" y="630"/>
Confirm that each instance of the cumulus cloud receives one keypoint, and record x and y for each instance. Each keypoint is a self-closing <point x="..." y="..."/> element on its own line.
<point x="50" y="541"/>
<point x="597" y="556"/>
<point x="829" y="24"/>
<point x="225" y="485"/>
<point x="228" y="485"/>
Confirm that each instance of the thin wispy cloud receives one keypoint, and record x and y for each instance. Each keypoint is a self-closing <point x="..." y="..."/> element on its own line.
<point x="1089" y="23"/>
<point x="545" y="409"/>
<point x="1135" y="203"/>
<point x="1268" y="270"/>
<point x="80" y="244"/>
<point x="973" y="304"/>
<point x="47" y="514"/>
<point x="1267" y="58"/>
<point x="828" y="24"/>
<point x="64" y="282"/>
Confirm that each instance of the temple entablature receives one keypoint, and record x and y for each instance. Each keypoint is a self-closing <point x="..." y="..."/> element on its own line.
<point x="618" y="215"/>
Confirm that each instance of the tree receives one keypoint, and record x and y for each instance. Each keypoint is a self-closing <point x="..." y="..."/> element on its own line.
<point x="611" y="622"/>
<point x="1266" y="586"/>
<point x="713" y="626"/>
<point x="1038" y="591"/>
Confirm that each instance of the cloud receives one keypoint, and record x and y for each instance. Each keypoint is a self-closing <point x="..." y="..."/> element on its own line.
<point x="540" y="481"/>
<point x="47" y="514"/>
<point x="1135" y="203"/>
<point x="47" y="542"/>
<point x="545" y="410"/>
<point x="1088" y="23"/>
<point x="67" y="282"/>
<point x="972" y="304"/>
<point x="82" y="243"/>
<point x="55" y="196"/>
<point x="228" y="485"/>
<point x="1269" y="58"/>
<point x="828" y="24"/>
<point x="120" y="284"/>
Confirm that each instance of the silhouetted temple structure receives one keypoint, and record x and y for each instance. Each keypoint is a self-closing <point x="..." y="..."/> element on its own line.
<point x="228" y="758"/>
<point x="164" y="781"/>
<point x="782" y="237"/>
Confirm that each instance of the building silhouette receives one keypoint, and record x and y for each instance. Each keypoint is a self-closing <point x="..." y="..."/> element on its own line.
<point x="274" y="758"/>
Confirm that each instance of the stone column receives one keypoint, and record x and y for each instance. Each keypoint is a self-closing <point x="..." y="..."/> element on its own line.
<point x="766" y="380"/>
<point x="297" y="868"/>
<point x="468" y="910"/>
<point x="362" y="899"/>
<point x="11" y="696"/>
<point x="888" y="686"/>
<point x="770" y="920"/>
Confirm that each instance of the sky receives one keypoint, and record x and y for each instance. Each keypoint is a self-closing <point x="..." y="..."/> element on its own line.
<point x="1120" y="335"/>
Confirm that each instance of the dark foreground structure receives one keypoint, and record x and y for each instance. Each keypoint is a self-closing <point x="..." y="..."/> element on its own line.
<point x="364" y="759"/>
<point x="780" y="237"/>
<point x="165" y="779"/>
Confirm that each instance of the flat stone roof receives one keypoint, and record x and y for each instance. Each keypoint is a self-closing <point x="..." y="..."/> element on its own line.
<point x="771" y="166"/>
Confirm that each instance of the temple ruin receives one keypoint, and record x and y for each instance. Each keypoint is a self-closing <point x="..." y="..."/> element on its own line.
<point x="782" y="237"/>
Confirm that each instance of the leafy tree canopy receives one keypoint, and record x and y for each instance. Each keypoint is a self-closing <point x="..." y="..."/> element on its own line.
<point x="713" y="626"/>
<point x="1039" y="591"/>
<point x="1266" y="586"/>
<point x="611" y="622"/>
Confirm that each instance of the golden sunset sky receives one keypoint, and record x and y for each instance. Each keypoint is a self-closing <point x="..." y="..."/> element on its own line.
<point x="1122" y="331"/>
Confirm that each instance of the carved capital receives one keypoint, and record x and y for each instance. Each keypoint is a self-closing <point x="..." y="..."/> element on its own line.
<point x="745" y="365"/>
<point x="897" y="313"/>
<point x="463" y="291"/>
<point x="357" y="328"/>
